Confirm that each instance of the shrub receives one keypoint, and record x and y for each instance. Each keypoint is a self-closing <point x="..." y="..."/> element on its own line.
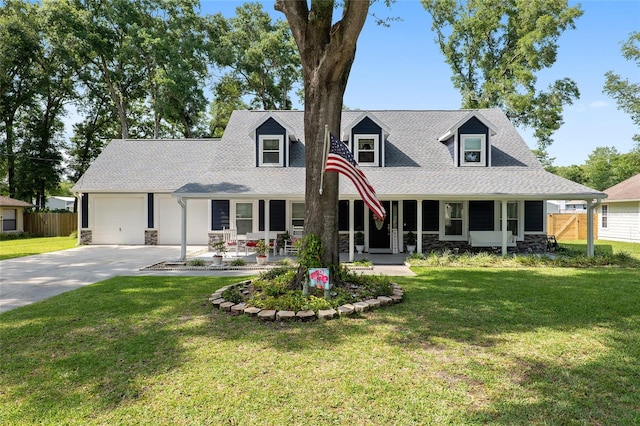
<point x="232" y="294"/>
<point x="291" y="300"/>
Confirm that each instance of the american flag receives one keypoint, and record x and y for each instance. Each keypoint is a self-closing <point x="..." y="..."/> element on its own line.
<point x="341" y="160"/>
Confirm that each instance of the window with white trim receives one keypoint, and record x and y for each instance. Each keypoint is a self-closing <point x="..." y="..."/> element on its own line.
<point x="297" y="214"/>
<point x="9" y="219"/>
<point x="512" y="217"/>
<point x="604" y="216"/>
<point x="366" y="150"/>
<point x="244" y="217"/>
<point x="473" y="150"/>
<point x="271" y="150"/>
<point x="453" y="219"/>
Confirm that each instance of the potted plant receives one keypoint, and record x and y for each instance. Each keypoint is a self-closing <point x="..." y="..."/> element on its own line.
<point x="261" y="252"/>
<point x="219" y="248"/>
<point x="411" y="242"/>
<point x="359" y="240"/>
<point x="282" y="241"/>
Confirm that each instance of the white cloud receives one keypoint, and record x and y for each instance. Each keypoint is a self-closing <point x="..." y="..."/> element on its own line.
<point x="598" y="104"/>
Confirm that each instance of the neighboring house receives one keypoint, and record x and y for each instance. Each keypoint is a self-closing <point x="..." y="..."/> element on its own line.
<point x="453" y="178"/>
<point x="60" y="203"/>
<point x="12" y="214"/>
<point x="566" y="206"/>
<point x="620" y="212"/>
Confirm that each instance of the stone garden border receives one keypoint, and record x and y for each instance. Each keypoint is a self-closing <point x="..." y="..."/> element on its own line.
<point x="219" y="302"/>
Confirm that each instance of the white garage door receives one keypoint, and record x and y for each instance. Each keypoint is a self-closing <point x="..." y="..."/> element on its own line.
<point x="118" y="219"/>
<point x="170" y="221"/>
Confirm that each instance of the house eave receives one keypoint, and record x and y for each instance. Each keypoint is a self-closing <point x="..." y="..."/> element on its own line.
<point x="624" y="200"/>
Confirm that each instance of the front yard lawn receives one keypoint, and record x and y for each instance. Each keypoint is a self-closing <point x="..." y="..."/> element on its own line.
<point x="20" y="247"/>
<point x="604" y="247"/>
<point x="466" y="346"/>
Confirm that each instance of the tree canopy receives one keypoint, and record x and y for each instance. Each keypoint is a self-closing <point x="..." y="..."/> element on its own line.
<point x="129" y="69"/>
<point x="496" y="47"/>
<point x="604" y="168"/>
<point x="626" y="93"/>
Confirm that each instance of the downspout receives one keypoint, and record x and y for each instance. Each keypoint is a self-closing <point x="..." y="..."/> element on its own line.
<point x="590" y="209"/>
<point x="183" y="230"/>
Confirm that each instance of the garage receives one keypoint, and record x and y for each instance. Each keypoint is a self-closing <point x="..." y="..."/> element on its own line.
<point x="118" y="219"/>
<point x="169" y="221"/>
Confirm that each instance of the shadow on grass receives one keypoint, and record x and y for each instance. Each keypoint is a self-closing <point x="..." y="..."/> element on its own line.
<point x="88" y="347"/>
<point x="93" y="348"/>
<point x="481" y="309"/>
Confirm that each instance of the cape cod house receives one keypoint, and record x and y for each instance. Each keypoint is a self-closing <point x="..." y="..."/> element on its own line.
<point x="461" y="179"/>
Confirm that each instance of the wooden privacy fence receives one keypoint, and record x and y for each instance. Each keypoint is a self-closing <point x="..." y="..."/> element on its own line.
<point x="50" y="224"/>
<point x="570" y="226"/>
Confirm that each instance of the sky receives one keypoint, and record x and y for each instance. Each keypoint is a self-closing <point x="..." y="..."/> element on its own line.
<point x="401" y="68"/>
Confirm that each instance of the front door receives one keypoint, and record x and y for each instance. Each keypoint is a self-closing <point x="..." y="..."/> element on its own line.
<point x="380" y="239"/>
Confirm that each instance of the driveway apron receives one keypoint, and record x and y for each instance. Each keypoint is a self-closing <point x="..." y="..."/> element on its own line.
<point x="30" y="279"/>
<point x="33" y="278"/>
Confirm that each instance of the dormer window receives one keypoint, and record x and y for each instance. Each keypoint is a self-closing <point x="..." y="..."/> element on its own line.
<point x="473" y="150"/>
<point x="271" y="150"/>
<point x="366" y="150"/>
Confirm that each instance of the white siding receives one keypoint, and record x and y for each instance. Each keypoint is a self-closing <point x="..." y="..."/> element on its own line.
<point x="623" y="222"/>
<point x="169" y="219"/>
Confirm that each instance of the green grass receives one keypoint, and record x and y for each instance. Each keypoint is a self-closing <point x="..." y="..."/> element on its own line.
<point x="467" y="346"/>
<point x="20" y="247"/>
<point x="605" y="247"/>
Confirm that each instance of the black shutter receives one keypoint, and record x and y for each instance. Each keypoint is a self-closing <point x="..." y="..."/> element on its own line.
<point x="410" y="215"/>
<point x="260" y="215"/>
<point x="358" y="212"/>
<point x="343" y="215"/>
<point x="534" y="216"/>
<point x="481" y="215"/>
<point x="220" y="214"/>
<point x="277" y="215"/>
<point x="85" y="210"/>
<point x="150" y="210"/>
<point x="430" y="215"/>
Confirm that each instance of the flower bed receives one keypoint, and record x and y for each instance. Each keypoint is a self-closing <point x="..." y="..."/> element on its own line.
<point x="236" y="307"/>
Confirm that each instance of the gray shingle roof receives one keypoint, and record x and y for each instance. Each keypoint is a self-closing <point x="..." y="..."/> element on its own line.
<point x="417" y="164"/>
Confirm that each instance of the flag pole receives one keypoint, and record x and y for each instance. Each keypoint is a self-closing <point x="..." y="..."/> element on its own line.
<point x="325" y="153"/>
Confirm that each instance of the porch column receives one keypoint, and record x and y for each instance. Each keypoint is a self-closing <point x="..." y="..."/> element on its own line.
<point x="419" y="227"/>
<point x="183" y="230"/>
<point x="351" y="230"/>
<point x="503" y="205"/>
<point x="590" y="234"/>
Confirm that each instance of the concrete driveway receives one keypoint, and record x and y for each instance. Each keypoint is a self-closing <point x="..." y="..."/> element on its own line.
<point x="33" y="278"/>
<point x="30" y="279"/>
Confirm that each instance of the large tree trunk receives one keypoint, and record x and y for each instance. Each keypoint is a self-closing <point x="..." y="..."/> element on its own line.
<point x="327" y="52"/>
<point x="11" y="160"/>
<point x="117" y="97"/>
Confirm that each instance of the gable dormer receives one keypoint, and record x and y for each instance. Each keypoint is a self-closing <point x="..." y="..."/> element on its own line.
<point x="367" y="136"/>
<point x="469" y="141"/>
<point x="271" y="137"/>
